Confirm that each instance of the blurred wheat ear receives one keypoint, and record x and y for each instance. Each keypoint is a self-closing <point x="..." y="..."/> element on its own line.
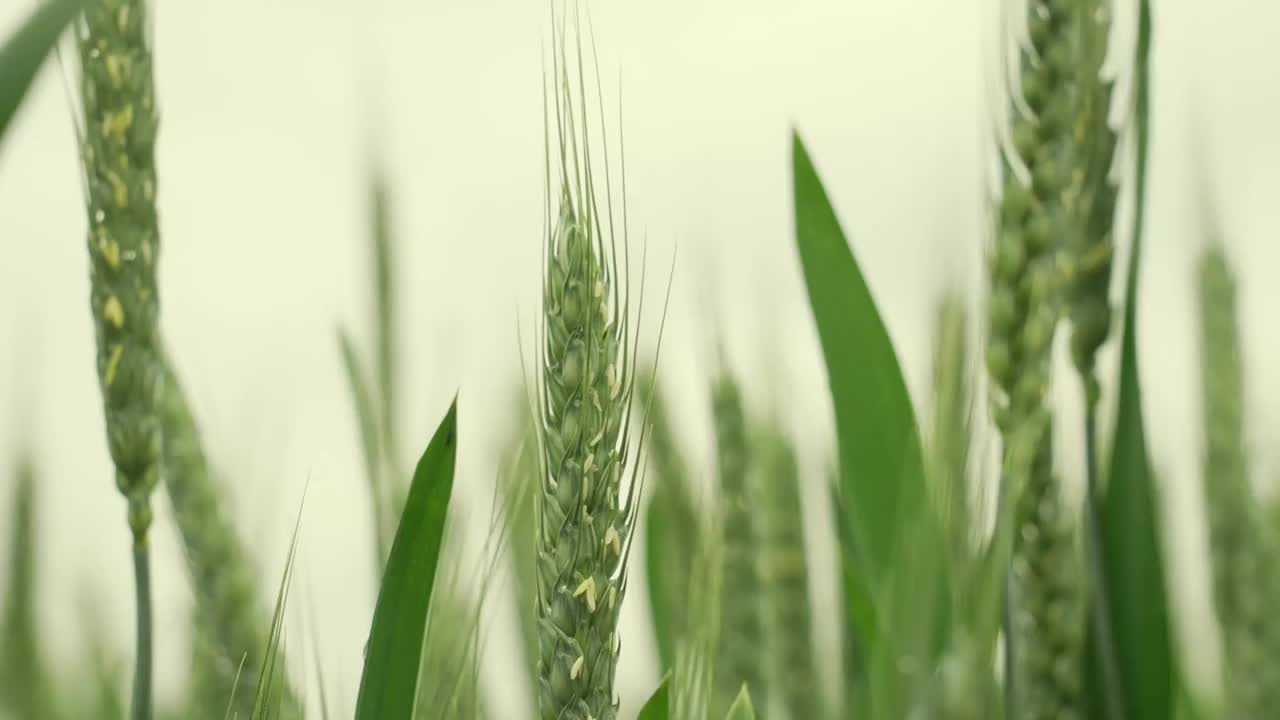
<point x="741" y="657"/>
<point x="672" y="528"/>
<point x="1029" y="272"/>
<point x="24" y="680"/>
<point x="230" y="634"/>
<point x="1244" y="548"/>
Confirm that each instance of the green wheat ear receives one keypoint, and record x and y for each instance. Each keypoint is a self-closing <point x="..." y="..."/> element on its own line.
<point x="585" y="510"/>
<point x="230" y="639"/>
<point x="673" y="529"/>
<point x="788" y="621"/>
<point x="1029" y="270"/>
<point x="120" y="122"/>
<point x="1245" y="551"/>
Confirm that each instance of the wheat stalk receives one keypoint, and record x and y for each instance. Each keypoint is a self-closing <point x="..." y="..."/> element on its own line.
<point x="586" y="513"/>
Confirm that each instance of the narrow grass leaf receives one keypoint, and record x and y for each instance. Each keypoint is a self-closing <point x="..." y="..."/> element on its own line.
<point x="25" y="51"/>
<point x="269" y="700"/>
<point x="1134" y="563"/>
<point x="881" y="477"/>
<point x="389" y="683"/>
<point x="367" y="420"/>
<point x="658" y="707"/>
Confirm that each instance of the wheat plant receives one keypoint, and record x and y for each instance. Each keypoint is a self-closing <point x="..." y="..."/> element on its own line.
<point x="117" y="92"/>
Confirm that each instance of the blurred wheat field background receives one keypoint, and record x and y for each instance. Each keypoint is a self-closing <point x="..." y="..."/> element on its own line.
<point x="270" y="113"/>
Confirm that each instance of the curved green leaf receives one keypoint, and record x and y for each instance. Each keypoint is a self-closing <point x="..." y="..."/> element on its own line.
<point x="881" y="480"/>
<point x="1134" y="564"/>
<point x="25" y="51"/>
<point x="658" y="707"/>
<point x="389" y="683"/>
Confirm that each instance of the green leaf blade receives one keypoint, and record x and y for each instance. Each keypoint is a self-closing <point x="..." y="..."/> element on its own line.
<point x="1134" y="564"/>
<point x="881" y="483"/>
<point x="881" y="460"/>
<point x="658" y="707"/>
<point x="25" y="51"/>
<point x="389" y="683"/>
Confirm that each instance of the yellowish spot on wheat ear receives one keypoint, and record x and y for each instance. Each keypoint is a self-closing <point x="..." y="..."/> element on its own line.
<point x="116" y="124"/>
<point x="119" y="191"/>
<point x="576" y="670"/>
<point x="113" y="364"/>
<point x="113" y="312"/>
<point x="116" y="68"/>
<point x="110" y="252"/>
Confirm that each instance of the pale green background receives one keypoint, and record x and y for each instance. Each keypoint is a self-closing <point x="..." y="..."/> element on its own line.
<point x="267" y="106"/>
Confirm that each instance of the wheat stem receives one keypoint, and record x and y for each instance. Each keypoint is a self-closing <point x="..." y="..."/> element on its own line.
<point x="142" y="670"/>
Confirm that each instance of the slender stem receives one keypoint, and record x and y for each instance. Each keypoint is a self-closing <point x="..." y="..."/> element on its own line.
<point x="1010" y="651"/>
<point x="142" y="673"/>
<point x="1099" y="617"/>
